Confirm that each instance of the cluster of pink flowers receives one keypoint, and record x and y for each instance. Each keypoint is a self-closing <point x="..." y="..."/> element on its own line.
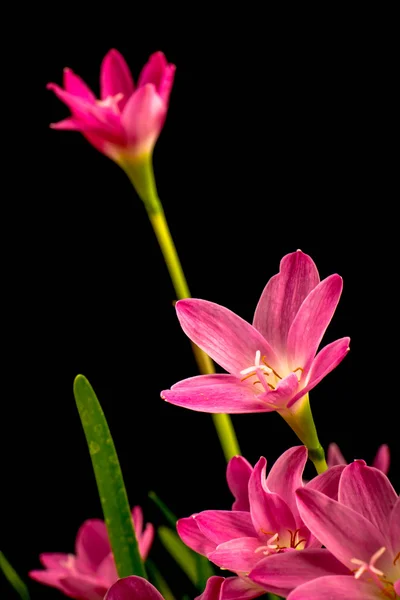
<point x="335" y="537"/>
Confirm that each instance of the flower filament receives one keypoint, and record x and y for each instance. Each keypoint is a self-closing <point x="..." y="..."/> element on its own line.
<point x="376" y="575"/>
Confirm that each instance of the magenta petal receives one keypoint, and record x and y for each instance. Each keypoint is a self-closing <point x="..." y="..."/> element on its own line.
<point x="137" y="518"/>
<point x="270" y="514"/>
<point x="311" y="321"/>
<point x="146" y="540"/>
<point x="77" y="87"/>
<point x="215" y="394"/>
<point x="238" y="474"/>
<point x="51" y="578"/>
<point x="158" y="72"/>
<point x="382" y="459"/>
<point x="226" y="337"/>
<point x="283" y="296"/>
<point x="327" y="482"/>
<point x="240" y="588"/>
<point x="335" y="588"/>
<point x="334" y="456"/>
<point x="285" y="390"/>
<point x="212" y="590"/>
<point x="87" y="588"/>
<point x="92" y="545"/>
<point x="344" y="532"/>
<point x="281" y="573"/>
<point x="369" y="492"/>
<point x="190" y="533"/>
<point x="223" y="525"/>
<point x="286" y="476"/>
<point x="143" y="117"/>
<point x="133" y="588"/>
<point x="54" y="560"/>
<point x="394" y="526"/>
<point x="238" y="554"/>
<point x="115" y="77"/>
<point x="107" y="570"/>
<point x="397" y="587"/>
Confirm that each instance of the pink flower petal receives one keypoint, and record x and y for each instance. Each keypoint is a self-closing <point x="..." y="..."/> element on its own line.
<point x="286" y="475"/>
<point x="215" y="394"/>
<point x="223" y="525"/>
<point x="77" y="87"/>
<point x="397" y="587"/>
<point x="325" y="361"/>
<point x="115" y="77"/>
<point x="51" y="578"/>
<point x="92" y="545"/>
<point x="240" y="588"/>
<point x="212" y="590"/>
<point x="270" y="514"/>
<point x="281" y="573"/>
<point x="80" y="586"/>
<point x="238" y="474"/>
<point x="369" y="492"/>
<point x="344" y="532"/>
<point x="158" y="72"/>
<point x="55" y="560"/>
<point x="107" y="570"/>
<point x="133" y="588"/>
<point x="283" y="296"/>
<point x="146" y="540"/>
<point x="137" y="518"/>
<point x="238" y="554"/>
<point x="226" y="337"/>
<point x="311" y="321"/>
<point x="334" y="456"/>
<point x="143" y="118"/>
<point x="328" y="482"/>
<point x="394" y="526"/>
<point x="191" y="535"/>
<point x="382" y="459"/>
<point x="335" y="588"/>
<point x="285" y="390"/>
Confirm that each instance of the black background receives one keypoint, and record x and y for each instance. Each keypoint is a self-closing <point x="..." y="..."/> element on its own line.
<point x="279" y="136"/>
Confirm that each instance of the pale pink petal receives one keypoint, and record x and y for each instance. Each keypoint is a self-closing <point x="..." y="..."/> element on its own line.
<point x="226" y="337"/>
<point x="327" y="482"/>
<point x="137" y="518"/>
<point x="394" y="526"/>
<point x="369" y="492"/>
<point x="115" y="77"/>
<point x="68" y="124"/>
<point x="382" y="459"/>
<point x="87" y="588"/>
<point x="55" y="560"/>
<point x="212" y="590"/>
<point x="397" y="587"/>
<point x="240" y="588"/>
<point x="133" y="588"/>
<point x="286" y="475"/>
<point x="216" y="394"/>
<point x="281" y="573"/>
<point x="283" y="296"/>
<point x="107" y="570"/>
<point x="74" y="85"/>
<point x="238" y="474"/>
<point x="223" y="525"/>
<point x="334" y="456"/>
<point x="270" y="514"/>
<point x="238" y="554"/>
<point x="92" y="544"/>
<point x="190" y="533"/>
<point x="325" y="361"/>
<point x="158" y="72"/>
<point x="51" y="578"/>
<point x="143" y="117"/>
<point x="285" y="390"/>
<point x="311" y="321"/>
<point x="335" y="588"/>
<point x="146" y="540"/>
<point x="344" y="532"/>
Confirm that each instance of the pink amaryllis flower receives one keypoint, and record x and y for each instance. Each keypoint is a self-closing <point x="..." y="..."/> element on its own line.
<point x="126" y="122"/>
<point x="269" y="532"/>
<point x="381" y="460"/>
<point x="272" y="363"/>
<point x="87" y="574"/>
<point x="362" y="530"/>
<point x="136" y="588"/>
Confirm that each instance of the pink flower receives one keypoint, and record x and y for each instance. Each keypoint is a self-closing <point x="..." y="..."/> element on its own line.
<point x="381" y="460"/>
<point x="257" y="541"/>
<point x="272" y="363"/>
<point x="362" y="530"/>
<point x="126" y="122"/>
<point x="88" y="574"/>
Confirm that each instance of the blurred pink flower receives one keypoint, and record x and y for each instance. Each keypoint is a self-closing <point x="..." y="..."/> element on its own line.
<point x="381" y="460"/>
<point x="87" y="574"/>
<point x="126" y="122"/>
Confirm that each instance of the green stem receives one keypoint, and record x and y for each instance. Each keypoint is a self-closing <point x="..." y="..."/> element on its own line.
<point x="142" y="177"/>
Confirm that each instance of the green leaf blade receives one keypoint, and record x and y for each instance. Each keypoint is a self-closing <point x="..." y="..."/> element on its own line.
<point x="109" y="479"/>
<point x="13" y="578"/>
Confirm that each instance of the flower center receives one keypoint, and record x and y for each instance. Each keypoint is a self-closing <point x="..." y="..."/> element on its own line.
<point x="274" y="545"/>
<point x="111" y="102"/>
<point x="375" y="574"/>
<point x="266" y="375"/>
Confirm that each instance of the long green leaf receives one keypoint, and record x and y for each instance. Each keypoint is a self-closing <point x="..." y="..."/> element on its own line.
<point x="110" y="483"/>
<point x="158" y="581"/>
<point x="179" y="552"/>
<point x="13" y="578"/>
<point x="168" y="514"/>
